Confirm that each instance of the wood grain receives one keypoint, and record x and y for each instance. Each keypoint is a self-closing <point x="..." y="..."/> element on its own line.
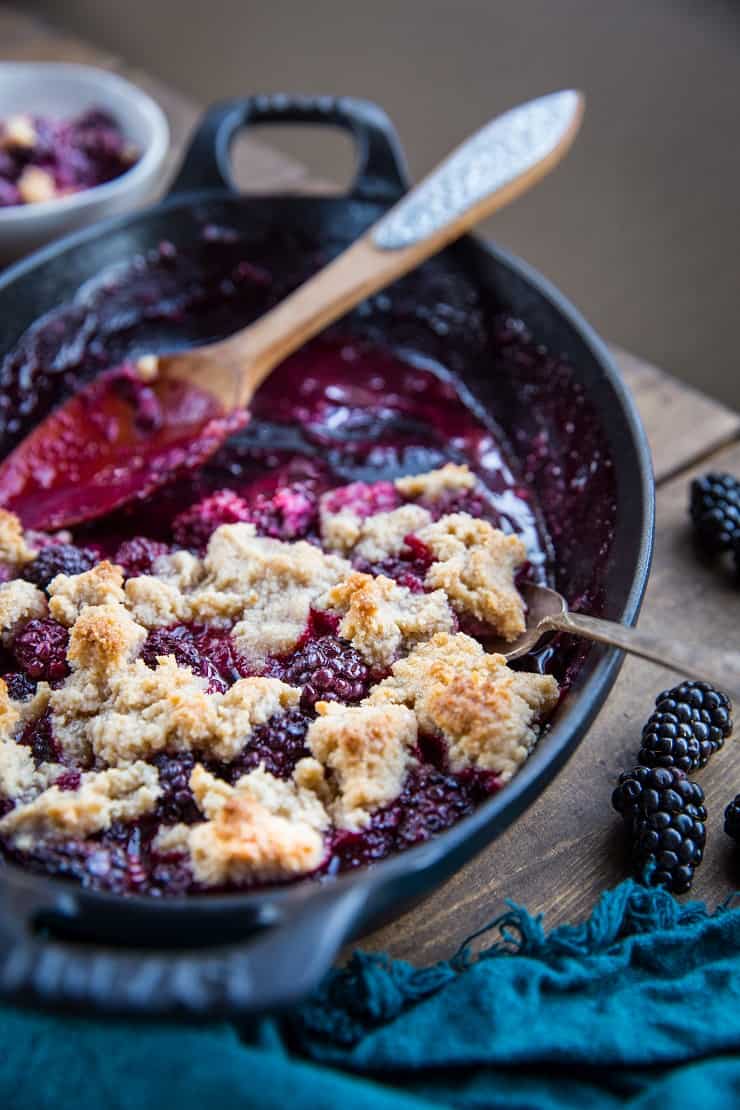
<point x="568" y="846"/>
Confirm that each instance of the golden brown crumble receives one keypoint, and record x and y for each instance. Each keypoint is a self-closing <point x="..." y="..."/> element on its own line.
<point x="119" y="794"/>
<point x="20" y="602"/>
<point x="20" y="779"/>
<point x="433" y="483"/>
<point x="475" y="565"/>
<point x="485" y="711"/>
<point x="261" y="829"/>
<point x="383" y="619"/>
<point x="103" y="638"/>
<point x="14" y="547"/>
<point x="154" y="602"/>
<point x="70" y="593"/>
<point x="375" y="537"/>
<point x="365" y="752"/>
<point x="141" y="711"/>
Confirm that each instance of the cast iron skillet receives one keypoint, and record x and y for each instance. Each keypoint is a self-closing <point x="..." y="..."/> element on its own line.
<point x="243" y="953"/>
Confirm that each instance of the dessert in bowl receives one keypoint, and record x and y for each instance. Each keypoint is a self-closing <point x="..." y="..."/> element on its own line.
<point x="437" y="427"/>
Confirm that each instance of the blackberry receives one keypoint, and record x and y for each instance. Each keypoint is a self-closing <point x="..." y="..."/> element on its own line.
<point x="38" y="735"/>
<point x="176" y="802"/>
<point x="193" y="527"/>
<point x="665" y="818"/>
<point x="691" y="722"/>
<point x="136" y="556"/>
<point x="20" y="686"/>
<point x="732" y="819"/>
<point x="289" y="514"/>
<point x="41" y="649"/>
<point x="60" y="558"/>
<point x="430" y="802"/>
<point x="277" y="745"/>
<point x="714" y="507"/>
<point x="328" y="669"/>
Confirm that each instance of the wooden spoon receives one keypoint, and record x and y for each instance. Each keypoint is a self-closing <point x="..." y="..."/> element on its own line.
<point x="96" y="452"/>
<point x="547" y="611"/>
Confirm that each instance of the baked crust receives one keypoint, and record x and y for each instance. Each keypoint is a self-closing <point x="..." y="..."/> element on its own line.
<point x="475" y="565"/>
<point x="69" y="594"/>
<point x="14" y="548"/>
<point x="20" y="602"/>
<point x="382" y="619"/>
<point x="433" y="484"/>
<point x="364" y="752"/>
<point x="486" y="713"/>
<point x="119" y="794"/>
<point x="261" y="829"/>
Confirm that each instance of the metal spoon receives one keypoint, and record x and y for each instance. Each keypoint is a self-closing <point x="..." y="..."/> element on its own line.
<point x="547" y="611"/>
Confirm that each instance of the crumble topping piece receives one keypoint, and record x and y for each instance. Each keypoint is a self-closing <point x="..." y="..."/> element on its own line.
<point x="273" y="584"/>
<point x="364" y="752"/>
<point x="20" y="602"/>
<point x="155" y="602"/>
<point x="101" y="798"/>
<point x="181" y="569"/>
<point x="103" y="639"/>
<point x="383" y="619"/>
<point x="13" y="546"/>
<point x="138" y="711"/>
<point x="433" y="483"/>
<point x="485" y="711"/>
<point x="260" y="829"/>
<point x="373" y="537"/>
<point x="20" y="778"/>
<point x="70" y="593"/>
<point x="475" y="565"/>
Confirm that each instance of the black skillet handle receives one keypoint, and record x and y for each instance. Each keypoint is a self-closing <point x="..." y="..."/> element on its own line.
<point x="381" y="169"/>
<point x="276" y="967"/>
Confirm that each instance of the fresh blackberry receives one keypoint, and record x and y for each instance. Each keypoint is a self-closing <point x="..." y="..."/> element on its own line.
<point x="59" y="558"/>
<point x="715" y="511"/>
<point x="665" y="818"/>
<point x="41" y="649"/>
<point x="691" y="722"/>
<point x="328" y="669"/>
<point x="732" y="819"/>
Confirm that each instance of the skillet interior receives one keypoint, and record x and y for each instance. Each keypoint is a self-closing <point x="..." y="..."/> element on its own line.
<point x="452" y="311"/>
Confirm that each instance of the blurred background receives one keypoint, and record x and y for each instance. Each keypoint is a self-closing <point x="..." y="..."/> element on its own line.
<point x="640" y="226"/>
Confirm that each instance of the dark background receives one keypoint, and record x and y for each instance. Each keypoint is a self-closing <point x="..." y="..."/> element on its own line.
<point x="640" y="226"/>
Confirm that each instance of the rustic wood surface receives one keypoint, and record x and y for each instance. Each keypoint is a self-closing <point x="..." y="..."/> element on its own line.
<point x="567" y="848"/>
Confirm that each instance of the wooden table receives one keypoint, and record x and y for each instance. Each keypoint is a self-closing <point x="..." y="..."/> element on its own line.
<point x="567" y="847"/>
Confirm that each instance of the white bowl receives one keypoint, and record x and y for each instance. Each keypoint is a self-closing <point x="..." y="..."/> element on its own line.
<point x="60" y="91"/>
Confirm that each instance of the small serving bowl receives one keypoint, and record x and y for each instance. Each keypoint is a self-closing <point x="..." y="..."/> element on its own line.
<point x="61" y="91"/>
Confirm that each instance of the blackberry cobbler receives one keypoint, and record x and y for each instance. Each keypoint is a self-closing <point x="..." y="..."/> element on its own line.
<point x="42" y="158"/>
<point x="295" y="684"/>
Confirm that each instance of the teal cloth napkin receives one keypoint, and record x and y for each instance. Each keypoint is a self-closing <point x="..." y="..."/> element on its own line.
<point x="639" y="1006"/>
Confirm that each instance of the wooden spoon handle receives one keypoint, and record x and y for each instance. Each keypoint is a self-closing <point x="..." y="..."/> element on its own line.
<point x="488" y="171"/>
<point x="719" y="667"/>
